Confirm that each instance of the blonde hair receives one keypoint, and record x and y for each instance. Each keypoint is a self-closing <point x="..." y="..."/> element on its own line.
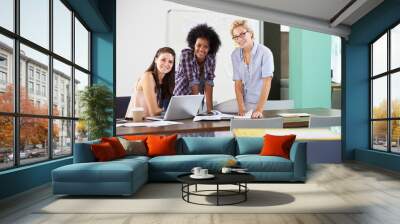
<point x="244" y="24"/>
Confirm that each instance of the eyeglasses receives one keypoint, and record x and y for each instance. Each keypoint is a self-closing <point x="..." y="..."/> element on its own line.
<point x="241" y="35"/>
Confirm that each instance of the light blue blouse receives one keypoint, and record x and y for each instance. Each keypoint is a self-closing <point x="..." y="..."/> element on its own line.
<point x="261" y="66"/>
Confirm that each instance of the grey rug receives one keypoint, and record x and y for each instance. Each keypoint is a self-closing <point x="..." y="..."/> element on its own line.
<point x="166" y="198"/>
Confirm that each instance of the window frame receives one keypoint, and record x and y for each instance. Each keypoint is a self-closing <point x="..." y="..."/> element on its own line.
<point x="15" y="72"/>
<point x="388" y="74"/>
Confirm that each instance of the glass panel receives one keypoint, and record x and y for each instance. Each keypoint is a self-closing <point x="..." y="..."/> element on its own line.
<point x="81" y="81"/>
<point x="379" y="55"/>
<point x="62" y="89"/>
<point x="81" y="131"/>
<point x="7" y="14"/>
<point x="81" y="45"/>
<point x="34" y="81"/>
<point x="6" y="74"/>
<point x="395" y="136"/>
<point x="6" y="142"/>
<point x="62" y="29"/>
<point x="33" y="140"/>
<point x="379" y="135"/>
<point x="395" y="94"/>
<point x="395" y="47"/>
<point x="35" y="21"/>
<point x="62" y="138"/>
<point x="379" y="97"/>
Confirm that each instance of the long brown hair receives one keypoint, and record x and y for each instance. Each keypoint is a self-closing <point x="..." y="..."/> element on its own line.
<point x="168" y="82"/>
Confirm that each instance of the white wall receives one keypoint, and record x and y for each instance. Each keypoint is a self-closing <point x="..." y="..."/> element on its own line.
<point x="143" y="26"/>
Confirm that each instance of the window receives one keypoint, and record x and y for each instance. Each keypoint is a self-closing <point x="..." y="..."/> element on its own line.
<point x="3" y="61"/>
<point x="7" y="14"/>
<point x="30" y="72"/>
<point x="81" y="45"/>
<point x="385" y="96"/>
<point x="7" y="84"/>
<point x="54" y="126"/>
<point x="35" y="21"/>
<point x="30" y="87"/>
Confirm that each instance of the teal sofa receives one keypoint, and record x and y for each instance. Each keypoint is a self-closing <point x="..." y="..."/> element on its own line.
<point x="125" y="176"/>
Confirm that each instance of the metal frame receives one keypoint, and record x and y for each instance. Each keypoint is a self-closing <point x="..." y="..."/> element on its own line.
<point x="388" y="74"/>
<point x="242" y="191"/>
<point x="16" y="114"/>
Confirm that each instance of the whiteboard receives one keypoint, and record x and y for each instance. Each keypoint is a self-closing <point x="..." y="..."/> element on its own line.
<point x="180" y="21"/>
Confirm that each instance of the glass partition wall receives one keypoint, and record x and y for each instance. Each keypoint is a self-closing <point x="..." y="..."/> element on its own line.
<point x="44" y="64"/>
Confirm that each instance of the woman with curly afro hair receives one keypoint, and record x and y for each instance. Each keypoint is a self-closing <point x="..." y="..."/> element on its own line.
<point x="196" y="70"/>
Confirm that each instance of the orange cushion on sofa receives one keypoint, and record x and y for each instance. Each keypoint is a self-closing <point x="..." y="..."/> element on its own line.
<point x="277" y="145"/>
<point x="135" y="137"/>
<point x="116" y="145"/>
<point x="159" y="145"/>
<point x="103" y="151"/>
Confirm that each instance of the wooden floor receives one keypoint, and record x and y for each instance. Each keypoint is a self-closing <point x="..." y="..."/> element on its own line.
<point x="377" y="188"/>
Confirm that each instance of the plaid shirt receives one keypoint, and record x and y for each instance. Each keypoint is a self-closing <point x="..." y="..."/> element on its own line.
<point x="189" y="72"/>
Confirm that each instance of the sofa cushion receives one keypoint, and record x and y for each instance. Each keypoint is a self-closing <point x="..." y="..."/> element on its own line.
<point x="206" y="145"/>
<point x="134" y="147"/>
<point x="116" y="145"/>
<point x="185" y="163"/>
<point x="103" y="152"/>
<point x="249" y="145"/>
<point x="277" y="145"/>
<point x="83" y="152"/>
<point x="257" y="163"/>
<point x="112" y="171"/>
<point x="160" y="145"/>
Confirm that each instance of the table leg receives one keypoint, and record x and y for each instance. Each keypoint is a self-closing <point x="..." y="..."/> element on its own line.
<point x="245" y="191"/>
<point x="196" y="188"/>
<point x="217" y="194"/>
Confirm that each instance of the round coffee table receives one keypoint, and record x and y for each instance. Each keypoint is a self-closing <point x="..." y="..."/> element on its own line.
<point x="238" y="179"/>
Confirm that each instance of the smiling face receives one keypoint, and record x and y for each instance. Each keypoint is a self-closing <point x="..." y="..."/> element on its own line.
<point x="242" y="37"/>
<point x="164" y="62"/>
<point x="201" y="48"/>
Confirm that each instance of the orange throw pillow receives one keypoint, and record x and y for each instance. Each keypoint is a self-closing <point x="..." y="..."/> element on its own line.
<point x="116" y="145"/>
<point x="103" y="151"/>
<point x="277" y="145"/>
<point x="159" y="145"/>
<point x="135" y="137"/>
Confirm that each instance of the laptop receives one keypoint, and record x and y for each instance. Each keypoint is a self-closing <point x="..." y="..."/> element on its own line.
<point x="181" y="107"/>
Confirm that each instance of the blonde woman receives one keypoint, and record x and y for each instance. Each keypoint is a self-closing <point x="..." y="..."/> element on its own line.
<point x="253" y="68"/>
<point x="155" y="87"/>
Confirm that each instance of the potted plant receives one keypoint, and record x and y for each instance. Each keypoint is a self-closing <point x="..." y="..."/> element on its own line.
<point x="96" y="103"/>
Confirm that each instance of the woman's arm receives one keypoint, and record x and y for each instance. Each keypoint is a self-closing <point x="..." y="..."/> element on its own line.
<point x="208" y="90"/>
<point x="149" y="93"/>
<point x="239" y="97"/>
<point x="258" y="113"/>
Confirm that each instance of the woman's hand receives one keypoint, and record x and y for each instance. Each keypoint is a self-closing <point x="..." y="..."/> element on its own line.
<point x="242" y="111"/>
<point x="257" y="114"/>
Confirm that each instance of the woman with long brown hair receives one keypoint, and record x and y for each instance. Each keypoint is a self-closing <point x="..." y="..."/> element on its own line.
<point x="155" y="87"/>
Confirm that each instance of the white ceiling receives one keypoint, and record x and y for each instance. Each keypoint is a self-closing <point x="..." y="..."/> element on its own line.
<point x="317" y="15"/>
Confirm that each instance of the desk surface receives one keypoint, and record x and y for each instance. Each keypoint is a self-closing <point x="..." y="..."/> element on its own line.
<point x="189" y="126"/>
<point x="302" y="134"/>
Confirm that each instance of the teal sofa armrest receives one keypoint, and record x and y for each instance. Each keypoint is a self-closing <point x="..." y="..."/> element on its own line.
<point x="83" y="153"/>
<point x="298" y="155"/>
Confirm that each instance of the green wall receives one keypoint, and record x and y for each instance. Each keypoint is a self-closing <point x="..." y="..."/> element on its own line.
<point x="309" y="68"/>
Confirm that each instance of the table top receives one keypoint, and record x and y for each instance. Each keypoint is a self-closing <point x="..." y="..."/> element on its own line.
<point x="302" y="134"/>
<point x="189" y="126"/>
<point x="220" y="178"/>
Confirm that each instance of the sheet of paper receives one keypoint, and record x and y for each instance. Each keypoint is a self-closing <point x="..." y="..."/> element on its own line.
<point x="216" y="116"/>
<point x="247" y="115"/>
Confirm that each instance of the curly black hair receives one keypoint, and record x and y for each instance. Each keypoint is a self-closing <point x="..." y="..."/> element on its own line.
<point x="207" y="32"/>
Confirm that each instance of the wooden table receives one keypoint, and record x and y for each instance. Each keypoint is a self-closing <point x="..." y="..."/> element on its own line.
<point x="189" y="126"/>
